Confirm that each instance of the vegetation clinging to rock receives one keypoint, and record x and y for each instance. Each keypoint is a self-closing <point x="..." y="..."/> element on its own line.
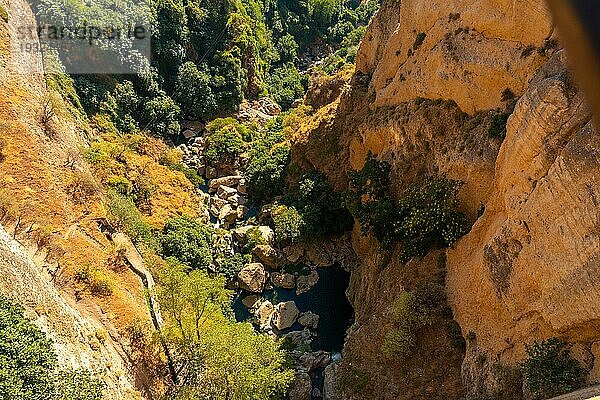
<point x="550" y="370"/>
<point x="426" y="214"/>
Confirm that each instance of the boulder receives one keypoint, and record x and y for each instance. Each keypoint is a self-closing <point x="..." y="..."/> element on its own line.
<point x="227" y="214"/>
<point x="263" y="315"/>
<point x="242" y="187"/>
<point x="301" y="387"/>
<point x="188" y="134"/>
<point x="283" y="280"/>
<point x="285" y="315"/>
<point x="225" y="192"/>
<point x="253" y="277"/>
<point x="241" y="233"/>
<point x="215" y="205"/>
<point x="231" y="181"/>
<point x="309" y="319"/>
<point x="293" y="253"/>
<point x="299" y="338"/>
<point x="269" y="256"/>
<point x="331" y="385"/>
<point x="305" y="282"/>
<point x="251" y="301"/>
<point x="311" y="361"/>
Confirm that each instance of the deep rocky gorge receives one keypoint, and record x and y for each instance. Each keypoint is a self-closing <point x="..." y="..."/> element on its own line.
<point x="432" y="79"/>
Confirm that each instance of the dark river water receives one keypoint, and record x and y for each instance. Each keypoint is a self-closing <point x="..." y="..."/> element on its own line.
<point x="327" y="299"/>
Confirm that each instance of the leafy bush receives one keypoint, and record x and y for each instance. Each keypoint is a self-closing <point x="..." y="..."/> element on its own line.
<point x="78" y="385"/>
<point x="229" y="267"/>
<point x="254" y="237"/>
<point x="28" y="363"/>
<point x="268" y="157"/>
<point x="26" y="355"/>
<point x="425" y="216"/>
<point x="94" y="280"/>
<point x="288" y="223"/>
<point x="410" y="313"/>
<point x="321" y="208"/>
<point x="129" y="218"/>
<point x="549" y="369"/>
<point x="225" y="140"/>
<point x="188" y="241"/>
<point x="196" y="96"/>
<point x="285" y="85"/>
<point x="419" y="40"/>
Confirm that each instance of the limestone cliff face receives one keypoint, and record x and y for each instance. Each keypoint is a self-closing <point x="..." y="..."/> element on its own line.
<point x="471" y="51"/>
<point x="528" y="269"/>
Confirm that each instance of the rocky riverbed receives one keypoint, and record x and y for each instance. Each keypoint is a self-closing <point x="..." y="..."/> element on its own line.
<point x="294" y="293"/>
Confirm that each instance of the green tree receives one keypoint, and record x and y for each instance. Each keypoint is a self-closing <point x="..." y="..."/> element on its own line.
<point x="27" y="359"/>
<point x="221" y="359"/>
<point x="189" y="241"/>
<point x="195" y="93"/>
<point x="78" y="385"/>
<point x="285" y="85"/>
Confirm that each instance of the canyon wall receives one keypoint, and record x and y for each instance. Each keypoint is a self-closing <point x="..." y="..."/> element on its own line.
<point x="527" y="270"/>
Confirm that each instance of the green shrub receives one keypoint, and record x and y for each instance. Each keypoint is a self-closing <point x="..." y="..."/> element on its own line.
<point x="225" y="140"/>
<point x="254" y="237"/>
<point x="419" y="40"/>
<point x="288" y="223"/>
<point x="128" y="217"/>
<point x="268" y="157"/>
<point x="320" y="206"/>
<point x="188" y="241"/>
<point x="229" y="267"/>
<point x="78" y="385"/>
<point x="549" y="369"/>
<point x="195" y="94"/>
<point x="410" y="313"/>
<point x="425" y="216"/>
<point x="285" y="85"/>
<point x="94" y="280"/>
<point x="498" y="125"/>
<point x="27" y="358"/>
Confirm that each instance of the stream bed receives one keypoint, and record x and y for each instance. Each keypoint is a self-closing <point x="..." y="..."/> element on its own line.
<point x="327" y="298"/>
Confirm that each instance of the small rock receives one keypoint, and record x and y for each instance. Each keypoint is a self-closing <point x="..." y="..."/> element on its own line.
<point x="188" y="134"/>
<point x="269" y="256"/>
<point x="285" y="315"/>
<point x="242" y="187"/>
<point x="241" y="211"/>
<point x="306" y="282"/>
<point x="253" y="277"/>
<point x="293" y="253"/>
<point x="263" y="314"/>
<point x="225" y="192"/>
<point x="301" y="387"/>
<point x="314" y="360"/>
<point x="283" y="280"/>
<point x="211" y="172"/>
<point x="231" y="181"/>
<point x="298" y="338"/>
<point x="309" y="320"/>
<point x="215" y="205"/>
<point x="250" y="301"/>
